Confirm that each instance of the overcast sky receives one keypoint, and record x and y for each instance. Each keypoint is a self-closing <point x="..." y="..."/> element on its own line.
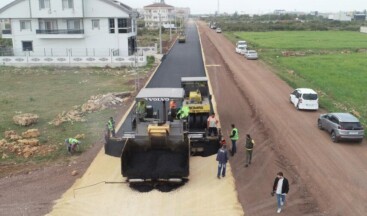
<point x="253" y="6"/>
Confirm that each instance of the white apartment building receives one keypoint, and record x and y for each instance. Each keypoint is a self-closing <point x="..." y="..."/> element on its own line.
<point x="159" y="12"/>
<point x="70" y="27"/>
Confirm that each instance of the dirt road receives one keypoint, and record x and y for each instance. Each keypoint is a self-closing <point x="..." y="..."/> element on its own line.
<point x="326" y="178"/>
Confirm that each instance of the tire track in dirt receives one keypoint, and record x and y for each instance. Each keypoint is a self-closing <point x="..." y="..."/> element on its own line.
<point x="253" y="183"/>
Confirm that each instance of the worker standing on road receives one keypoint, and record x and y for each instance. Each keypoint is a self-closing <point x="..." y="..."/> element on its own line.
<point x="280" y="189"/>
<point x="71" y="144"/>
<point x="249" y="149"/>
<point x="111" y="127"/>
<point x="212" y="125"/>
<point x="222" y="158"/>
<point x="234" y="137"/>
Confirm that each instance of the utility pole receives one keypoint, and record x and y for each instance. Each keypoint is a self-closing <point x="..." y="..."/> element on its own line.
<point x="218" y="8"/>
<point x="160" y="34"/>
<point x="170" y="27"/>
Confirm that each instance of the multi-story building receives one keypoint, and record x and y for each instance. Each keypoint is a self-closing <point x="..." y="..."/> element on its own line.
<point x="70" y="27"/>
<point x="158" y="12"/>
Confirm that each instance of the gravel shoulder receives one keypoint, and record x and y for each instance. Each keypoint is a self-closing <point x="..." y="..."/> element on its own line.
<point x="326" y="178"/>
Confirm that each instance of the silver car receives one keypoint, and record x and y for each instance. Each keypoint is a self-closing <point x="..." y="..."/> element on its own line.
<point x="251" y="54"/>
<point x="341" y="126"/>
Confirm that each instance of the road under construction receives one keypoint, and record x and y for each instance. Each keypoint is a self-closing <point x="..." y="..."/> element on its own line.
<point x="199" y="196"/>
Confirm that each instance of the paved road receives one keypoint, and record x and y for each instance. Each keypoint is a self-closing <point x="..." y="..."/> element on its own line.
<point x="183" y="60"/>
<point x="334" y="173"/>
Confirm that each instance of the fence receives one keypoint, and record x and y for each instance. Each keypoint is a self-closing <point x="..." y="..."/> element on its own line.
<point x="111" y="61"/>
<point x="74" y="57"/>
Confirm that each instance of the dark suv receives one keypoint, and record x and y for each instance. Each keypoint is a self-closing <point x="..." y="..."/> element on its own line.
<point x="341" y="126"/>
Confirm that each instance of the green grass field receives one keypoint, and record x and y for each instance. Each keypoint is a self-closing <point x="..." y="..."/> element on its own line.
<point x="296" y="40"/>
<point x="49" y="91"/>
<point x="340" y="77"/>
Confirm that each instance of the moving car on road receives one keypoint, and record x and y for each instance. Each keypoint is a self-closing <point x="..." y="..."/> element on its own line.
<point x="218" y="30"/>
<point x="182" y="38"/>
<point x="251" y="55"/>
<point x="304" y="98"/>
<point x="341" y="126"/>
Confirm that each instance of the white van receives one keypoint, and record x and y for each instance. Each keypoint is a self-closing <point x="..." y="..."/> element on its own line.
<point x="241" y="47"/>
<point x="304" y="98"/>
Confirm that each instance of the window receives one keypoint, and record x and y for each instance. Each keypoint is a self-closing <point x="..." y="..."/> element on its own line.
<point x="310" y="96"/>
<point x="48" y="24"/>
<point x="67" y="4"/>
<point x="124" y="25"/>
<point x="95" y="24"/>
<point x="27" y="45"/>
<point x="73" y="24"/>
<point x="44" y="4"/>
<point x="25" y="25"/>
<point x="112" y="25"/>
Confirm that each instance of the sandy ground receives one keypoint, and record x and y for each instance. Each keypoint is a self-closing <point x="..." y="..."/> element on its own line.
<point x="204" y="194"/>
<point x="326" y="178"/>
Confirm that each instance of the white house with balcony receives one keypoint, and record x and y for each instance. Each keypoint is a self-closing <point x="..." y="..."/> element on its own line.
<point x="157" y="13"/>
<point x="70" y="27"/>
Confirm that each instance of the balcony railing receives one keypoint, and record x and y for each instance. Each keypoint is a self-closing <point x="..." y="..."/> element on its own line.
<point x="61" y="31"/>
<point x="6" y="31"/>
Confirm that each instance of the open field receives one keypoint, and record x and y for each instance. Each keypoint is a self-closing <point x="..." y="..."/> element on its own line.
<point x="339" y="76"/>
<point x="50" y="91"/>
<point x="296" y="40"/>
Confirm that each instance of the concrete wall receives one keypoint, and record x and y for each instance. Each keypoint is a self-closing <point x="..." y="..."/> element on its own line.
<point x="56" y="10"/>
<point x="363" y="29"/>
<point x="20" y="10"/>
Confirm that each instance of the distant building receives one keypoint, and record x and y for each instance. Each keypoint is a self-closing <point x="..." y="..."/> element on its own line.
<point x="363" y="29"/>
<point x="68" y="27"/>
<point x="341" y="16"/>
<point x="359" y="17"/>
<point x="158" y="12"/>
<point x="314" y="13"/>
<point x="279" y="12"/>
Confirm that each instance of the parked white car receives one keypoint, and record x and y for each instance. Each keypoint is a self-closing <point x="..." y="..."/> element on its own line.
<point x="241" y="47"/>
<point x="241" y="50"/>
<point x="304" y="98"/>
<point x="218" y="30"/>
<point x="251" y="55"/>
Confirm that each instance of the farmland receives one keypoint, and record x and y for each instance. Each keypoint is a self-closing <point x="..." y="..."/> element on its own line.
<point x="331" y="62"/>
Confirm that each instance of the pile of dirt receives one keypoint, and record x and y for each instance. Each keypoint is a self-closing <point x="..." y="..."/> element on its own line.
<point x="25" y="146"/>
<point x="94" y="104"/>
<point x="25" y="119"/>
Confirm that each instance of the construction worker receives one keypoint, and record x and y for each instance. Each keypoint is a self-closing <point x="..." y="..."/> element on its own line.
<point x="111" y="127"/>
<point x="183" y="112"/>
<point x="234" y="137"/>
<point x="212" y="125"/>
<point x="71" y="144"/>
<point x="222" y="158"/>
<point x="249" y="149"/>
<point x="141" y="109"/>
<point x="173" y="107"/>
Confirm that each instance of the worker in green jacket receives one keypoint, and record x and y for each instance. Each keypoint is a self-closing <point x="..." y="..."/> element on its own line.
<point x="234" y="137"/>
<point x="71" y="144"/>
<point x="111" y="127"/>
<point x="183" y="112"/>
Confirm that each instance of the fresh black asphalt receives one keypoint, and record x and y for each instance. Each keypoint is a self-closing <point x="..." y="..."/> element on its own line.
<point x="183" y="60"/>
